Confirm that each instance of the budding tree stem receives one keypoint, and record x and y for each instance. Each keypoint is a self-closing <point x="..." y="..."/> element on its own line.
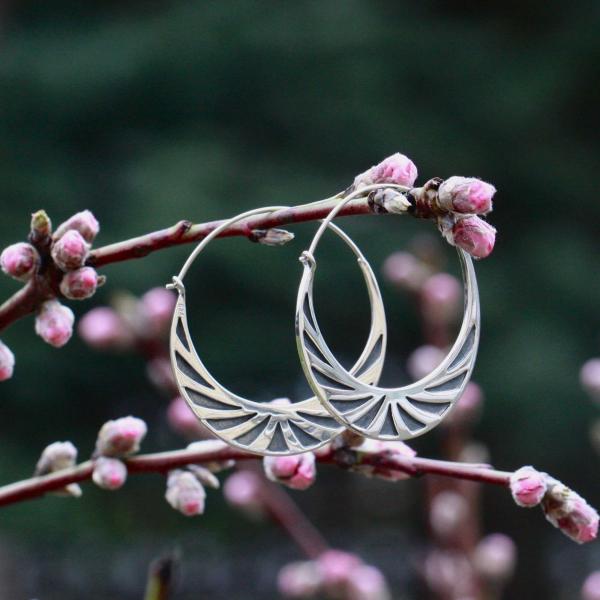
<point x="165" y="461"/>
<point x="28" y="299"/>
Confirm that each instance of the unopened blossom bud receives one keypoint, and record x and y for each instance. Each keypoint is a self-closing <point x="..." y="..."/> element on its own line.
<point x="185" y="493"/>
<point x="297" y="472"/>
<point x="388" y="200"/>
<point x="299" y="580"/>
<point x="423" y="360"/>
<point x="449" y="573"/>
<point x="336" y="567"/>
<point x="56" y="457"/>
<point x="466" y="195"/>
<point x="7" y="362"/>
<point x="79" y="284"/>
<point x="474" y="235"/>
<point x="70" y="251"/>
<point x="591" y="587"/>
<point x="441" y="299"/>
<point x="397" y="169"/>
<point x="528" y="486"/>
<point x="54" y="323"/>
<point x="589" y="376"/>
<point x="41" y="226"/>
<point x="405" y="271"/>
<point x="104" y="329"/>
<point x="272" y="236"/>
<point x="495" y="557"/>
<point x="570" y="513"/>
<point x="120" y="437"/>
<point x="157" y="306"/>
<point x="109" y="473"/>
<point x="390" y="450"/>
<point x="468" y="406"/>
<point x="160" y="373"/>
<point x="83" y="222"/>
<point x="448" y="512"/>
<point x="182" y="420"/>
<point x="243" y="490"/>
<point x="19" y="260"/>
<point x="367" y="583"/>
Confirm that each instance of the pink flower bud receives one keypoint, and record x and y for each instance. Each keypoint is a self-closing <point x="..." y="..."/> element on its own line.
<point x="570" y="513"/>
<point x="589" y="376"/>
<point x="297" y="472"/>
<point x="367" y="583"/>
<point x="70" y="251"/>
<point x="19" y="260"/>
<point x="466" y="195"/>
<point x="371" y="447"/>
<point x="109" y="473"/>
<point x="79" y="284"/>
<point x="185" y="493"/>
<point x="120" y="437"/>
<point x="7" y="362"/>
<point x="495" y="557"/>
<point x="448" y="512"/>
<point x="397" y="169"/>
<point x="182" y="419"/>
<point x="404" y="270"/>
<point x="299" y="580"/>
<point x="160" y="373"/>
<point x="104" y="329"/>
<point x="336" y="569"/>
<point x="528" y="486"/>
<point x="591" y="587"/>
<point x="474" y="235"/>
<point x="243" y="490"/>
<point x="424" y="360"/>
<point x="449" y="573"/>
<point x="468" y="407"/>
<point x="157" y="306"/>
<point x="55" y="457"/>
<point x="83" y="222"/>
<point x="441" y="299"/>
<point x="54" y="323"/>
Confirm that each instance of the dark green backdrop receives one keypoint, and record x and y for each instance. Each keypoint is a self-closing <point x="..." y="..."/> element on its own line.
<point x="148" y="112"/>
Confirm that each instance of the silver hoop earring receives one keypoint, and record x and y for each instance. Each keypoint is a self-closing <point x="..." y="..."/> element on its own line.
<point x="384" y="413"/>
<point x="257" y="427"/>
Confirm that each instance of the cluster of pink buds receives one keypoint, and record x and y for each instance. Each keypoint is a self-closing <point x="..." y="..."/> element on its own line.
<point x="116" y="440"/>
<point x="456" y="203"/>
<point x="334" y="574"/>
<point x="297" y="472"/>
<point x="130" y="322"/>
<point x="56" y="457"/>
<point x="71" y="244"/>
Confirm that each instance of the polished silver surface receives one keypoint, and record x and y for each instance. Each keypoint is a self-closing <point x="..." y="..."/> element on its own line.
<point x="384" y="413"/>
<point x="273" y="429"/>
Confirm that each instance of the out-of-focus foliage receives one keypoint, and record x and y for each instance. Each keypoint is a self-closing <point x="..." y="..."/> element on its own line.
<point x="148" y="112"/>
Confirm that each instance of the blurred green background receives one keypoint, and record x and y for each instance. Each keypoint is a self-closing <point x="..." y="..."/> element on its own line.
<point x="149" y="112"/>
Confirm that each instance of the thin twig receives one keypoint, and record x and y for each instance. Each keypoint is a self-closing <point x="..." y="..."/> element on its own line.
<point x="164" y="461"/>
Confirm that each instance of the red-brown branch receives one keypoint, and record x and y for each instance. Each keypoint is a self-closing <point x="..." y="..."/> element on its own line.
<point x="165" y="461"/>
<point x="28" y="299"/>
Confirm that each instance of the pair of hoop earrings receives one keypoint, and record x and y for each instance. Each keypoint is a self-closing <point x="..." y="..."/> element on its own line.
<point x="343" y="398"/>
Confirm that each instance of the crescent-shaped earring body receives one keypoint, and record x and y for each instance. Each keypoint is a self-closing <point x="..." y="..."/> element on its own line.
<point x="384" y="413"/>
<point x="263" y="428"/>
